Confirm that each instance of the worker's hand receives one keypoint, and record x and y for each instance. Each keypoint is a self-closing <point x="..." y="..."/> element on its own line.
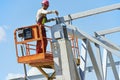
<point x="56" y="12"/>
<point x="52" y="19"/>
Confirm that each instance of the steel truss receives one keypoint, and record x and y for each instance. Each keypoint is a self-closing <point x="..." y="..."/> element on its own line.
<point x="99" y="63"/>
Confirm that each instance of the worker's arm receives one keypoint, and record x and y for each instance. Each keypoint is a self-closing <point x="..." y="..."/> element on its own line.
<point x="49" y="12"/>
<point x="42" y="12"/>
<point x="49" y="20"/>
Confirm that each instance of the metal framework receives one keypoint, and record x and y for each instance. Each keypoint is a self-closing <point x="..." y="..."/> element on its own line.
<point x="65" y="64"/>
<point x="99" y="41"/>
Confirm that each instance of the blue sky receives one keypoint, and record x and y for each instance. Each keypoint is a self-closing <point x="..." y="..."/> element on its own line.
<point x="17" y="13"/>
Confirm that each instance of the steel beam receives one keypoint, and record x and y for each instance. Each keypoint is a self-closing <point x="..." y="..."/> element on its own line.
<point x="99" y="59"/>
<point x="108" y="31"/>
<point x="82" y="35"/>
<point x="108" y="42"/>
<point x="91" y="12"/>
<point x="90" y="68"/>
<point x="105" y="60"/>
<point x="112" y="63"/>
<point x="83" y="58"/>
<point x="93" y="59"/>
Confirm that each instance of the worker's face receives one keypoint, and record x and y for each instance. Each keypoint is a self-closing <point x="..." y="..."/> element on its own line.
<point x="45" y="6"/>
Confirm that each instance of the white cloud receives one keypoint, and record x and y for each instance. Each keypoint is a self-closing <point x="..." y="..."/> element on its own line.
<point x="2" y="34"/>
<point x="33" y="71"/>
<point x="12" y="76"/>
<point x="6" y="27"/>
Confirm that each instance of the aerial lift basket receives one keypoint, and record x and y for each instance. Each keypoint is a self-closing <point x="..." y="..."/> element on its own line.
<point x="25" y="44"/>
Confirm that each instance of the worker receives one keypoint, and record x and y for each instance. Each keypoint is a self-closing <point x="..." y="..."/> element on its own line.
<point x="41" y="19"/>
